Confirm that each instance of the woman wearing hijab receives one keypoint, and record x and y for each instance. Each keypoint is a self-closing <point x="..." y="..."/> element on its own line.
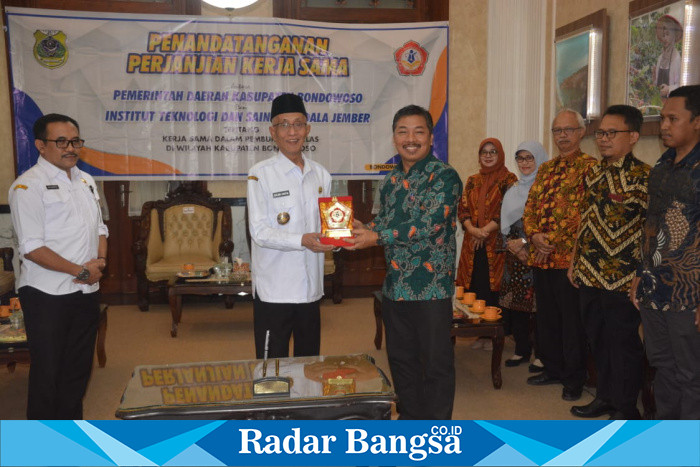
<point x="517" y="290"/>
<point x="480" y="263"/>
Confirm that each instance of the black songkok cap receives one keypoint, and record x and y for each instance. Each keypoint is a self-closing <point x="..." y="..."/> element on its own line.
<point x="287" y="103"/>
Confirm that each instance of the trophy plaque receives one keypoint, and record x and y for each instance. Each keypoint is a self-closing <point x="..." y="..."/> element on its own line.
<point x="336" y="220"/>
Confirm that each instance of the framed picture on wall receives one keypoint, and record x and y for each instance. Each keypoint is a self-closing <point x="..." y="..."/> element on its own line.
<point x="664" y="45"/>
<point x="581" y="65"/>
<point x="572" y="72"/>
<point x="655" y="56"/>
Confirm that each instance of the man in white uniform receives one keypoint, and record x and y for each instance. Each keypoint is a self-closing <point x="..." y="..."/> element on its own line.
<point x="284" y="222"/>
<point x="63" y="245"/>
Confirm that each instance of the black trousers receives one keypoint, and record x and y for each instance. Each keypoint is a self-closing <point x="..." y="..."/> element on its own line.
<point x="612" y="329"/>
<point x="560" y="337"/>
<point x="480" y="283"/>
<point x="303" y="320"/>
<point x="61" y="333"/>
<point x="517" y="323"/>
<point x="673" y="348"/>
<point x="421" y="356"/>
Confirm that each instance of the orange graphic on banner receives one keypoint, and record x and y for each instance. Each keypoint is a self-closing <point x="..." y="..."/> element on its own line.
<point x="438" y="94"/>
<point x="120" y="164"/>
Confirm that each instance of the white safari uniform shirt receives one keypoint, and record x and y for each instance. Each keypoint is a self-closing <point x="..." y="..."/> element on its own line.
<point x="62" y="214"/>
<point x="284" y="271"/>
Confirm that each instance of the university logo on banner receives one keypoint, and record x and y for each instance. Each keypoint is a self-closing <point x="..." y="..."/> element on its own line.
<point x="411" y="59"/>
<point x="50" y="48"/>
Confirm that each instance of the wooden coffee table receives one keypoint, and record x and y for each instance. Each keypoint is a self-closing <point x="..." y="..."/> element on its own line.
<point x="176" y="289"/>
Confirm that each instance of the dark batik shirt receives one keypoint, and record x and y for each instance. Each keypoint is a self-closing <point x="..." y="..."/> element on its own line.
<point x="670" y="270"/>
<point x="610" y="236"/>
<point x="416" y="225"/>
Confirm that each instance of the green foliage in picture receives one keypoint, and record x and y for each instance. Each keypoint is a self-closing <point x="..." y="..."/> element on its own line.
<point x="644" y="51"/>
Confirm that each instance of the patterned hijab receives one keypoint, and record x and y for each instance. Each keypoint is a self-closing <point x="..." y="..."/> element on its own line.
<point x="514" y="200"/>
<point x="491" y="176"/>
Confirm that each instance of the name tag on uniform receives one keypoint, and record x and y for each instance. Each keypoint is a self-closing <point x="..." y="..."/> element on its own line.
<point x="280" y="194"/>
<point x="52" y="187"/>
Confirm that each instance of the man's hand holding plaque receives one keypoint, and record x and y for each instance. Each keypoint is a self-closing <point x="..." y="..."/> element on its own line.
<point x="336" y="220"/>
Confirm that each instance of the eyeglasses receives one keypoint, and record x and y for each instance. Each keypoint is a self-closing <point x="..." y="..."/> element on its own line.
<point x="524" y="158"/>
<point x="610" y="134"/>
<point x="484" y="152"/>
<point x="567" y="131"/>
<point x="62" y="143"/>
<point x="286" y="125"/>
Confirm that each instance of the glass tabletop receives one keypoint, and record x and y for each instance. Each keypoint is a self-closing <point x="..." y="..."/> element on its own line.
<point x="231" y="383"/>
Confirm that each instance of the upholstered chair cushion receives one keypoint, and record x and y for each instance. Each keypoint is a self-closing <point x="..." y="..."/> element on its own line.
<point x="188" y="239"/>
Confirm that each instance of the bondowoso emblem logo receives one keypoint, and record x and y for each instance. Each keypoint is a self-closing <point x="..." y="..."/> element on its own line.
<point x="411" y="58"/>
<point x="50" y="48"/>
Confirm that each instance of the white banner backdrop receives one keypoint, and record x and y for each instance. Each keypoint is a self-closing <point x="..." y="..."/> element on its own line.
<point x="172" y="97"/>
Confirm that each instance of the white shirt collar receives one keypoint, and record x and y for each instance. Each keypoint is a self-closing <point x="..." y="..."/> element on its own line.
<point x="289" y="165"/>
<point x="54" y="171"/>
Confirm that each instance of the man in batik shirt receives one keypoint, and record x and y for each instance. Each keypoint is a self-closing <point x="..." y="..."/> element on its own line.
<point x="667" y="289"/>
<point x="416" y="226"/>
<point x="605" y="261"/>
<point x="551" y="220"/>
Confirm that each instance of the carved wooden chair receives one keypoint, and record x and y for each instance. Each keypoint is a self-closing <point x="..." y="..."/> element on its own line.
<point x="185" y="227"/>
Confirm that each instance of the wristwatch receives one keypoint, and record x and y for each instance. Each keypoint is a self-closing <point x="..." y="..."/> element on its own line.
<point x="83" y="275"/>
<point x="380" y="242"/>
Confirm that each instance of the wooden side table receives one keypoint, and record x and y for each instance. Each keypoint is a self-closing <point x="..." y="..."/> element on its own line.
<point x="378" y="318"/>
<point x="471" y="328"/>
<point x="11" y="354"/>
<point x="17" y="351"/>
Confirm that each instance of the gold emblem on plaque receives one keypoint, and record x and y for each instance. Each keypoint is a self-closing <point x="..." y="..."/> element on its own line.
<point x="336" y="220"/>
<point x="337" y="215"/>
